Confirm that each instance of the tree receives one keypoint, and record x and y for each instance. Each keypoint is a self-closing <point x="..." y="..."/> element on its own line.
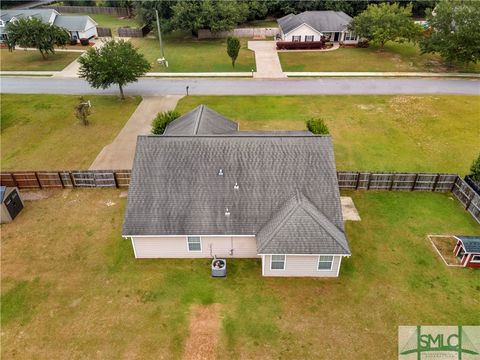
<point x="117" y="62"/>
<point x="453" y="31"/>
<point x="475" y="170"/>
<point x="317" y="126"/>
<point x="82" y="111"/>
<point x="385" y="22"/>
<point x="161" y="121"/>
<point x="233" y="47"/>
<point x="215" y="15"/>
<point x="37" y="34"/>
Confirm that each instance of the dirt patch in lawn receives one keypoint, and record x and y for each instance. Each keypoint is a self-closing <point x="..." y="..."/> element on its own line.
<point x="203" y="332"/>
<point x="444" y="246"/>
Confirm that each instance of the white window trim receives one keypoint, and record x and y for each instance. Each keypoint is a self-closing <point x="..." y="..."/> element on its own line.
<point x="297" y="36"/>
<point x="188" y="248"/>
<point x="475" y="261"/>
<point x="284" y="263"/>
<point x="331" y="264"/>
<point x="313" y="38"/>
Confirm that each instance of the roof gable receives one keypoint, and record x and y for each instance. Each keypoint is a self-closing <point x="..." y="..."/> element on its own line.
<point x="74" y="22"/>
<point x="321" y="21"/>
<point x="471" y="244"/>
<point x="201" y="121"/>
<point x="300" y="228"/>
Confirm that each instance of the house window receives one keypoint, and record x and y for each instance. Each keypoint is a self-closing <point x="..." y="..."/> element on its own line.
<point x="475" y="259"/>
<point x="277" y="262"/>
<point x="325" y="263"/>
<point x="350" y="36"/>
<point x="308" y="37"/>
<point x="194" y="243"/>
<point x="296" y="38"/>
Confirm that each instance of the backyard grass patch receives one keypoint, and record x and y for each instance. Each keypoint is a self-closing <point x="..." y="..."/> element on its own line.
<point x="186" y="54"/>
<point x="380" y="133"/>
<point x="394" y="57"/>
<point x="103" y="303"/>
<point x="27" y="60"/>
<point x="41" y="132"/>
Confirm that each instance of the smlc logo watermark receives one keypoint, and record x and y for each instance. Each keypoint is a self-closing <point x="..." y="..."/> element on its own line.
<point x="439" y="342"/>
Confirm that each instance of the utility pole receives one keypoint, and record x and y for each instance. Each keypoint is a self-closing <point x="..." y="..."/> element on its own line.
<point x="162" y="60"/>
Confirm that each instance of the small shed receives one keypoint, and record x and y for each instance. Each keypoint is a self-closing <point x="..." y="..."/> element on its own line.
<point x="11" y="202"/>
<point x="467" y="249"/>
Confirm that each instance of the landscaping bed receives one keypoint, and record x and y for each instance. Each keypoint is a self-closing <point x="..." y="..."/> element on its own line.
<point x="371" y="133"/>
<point x="77" y="290"/>
<point x="28" y="60"/>
<point x="41" y="132"/>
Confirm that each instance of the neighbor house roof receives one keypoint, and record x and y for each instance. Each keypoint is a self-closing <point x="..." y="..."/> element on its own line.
<point x="318" y="20"/>
<point x="43" y="14"/>
<point x="201" y="121"/>
<point x="74" y="22"/>
<point x="176" y="189"/>
<point x="471" y="244"/>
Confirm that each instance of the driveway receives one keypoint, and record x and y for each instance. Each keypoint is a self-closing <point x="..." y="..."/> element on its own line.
<point x="293" y="86"/>
<point x="266" y="58"/>
<point x="119" y="154"/>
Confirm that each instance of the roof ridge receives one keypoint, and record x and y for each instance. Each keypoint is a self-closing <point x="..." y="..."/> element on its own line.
<point x="197" y="119"/>
<point x="324" y="218"/>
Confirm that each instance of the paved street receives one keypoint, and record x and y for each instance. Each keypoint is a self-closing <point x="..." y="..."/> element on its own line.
<point x="159" y="87"/>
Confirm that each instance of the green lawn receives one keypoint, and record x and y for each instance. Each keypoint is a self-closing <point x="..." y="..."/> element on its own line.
<point x="19" y="60"/>
<point x="266" y="23"/>
<point x="41" y="132"/>
<point x="395" y="57"/>
<point x="112" y="22"/>
<point x="77" y="292"/>
<point x="386" y="133"/>
<point x="186" y="54"/>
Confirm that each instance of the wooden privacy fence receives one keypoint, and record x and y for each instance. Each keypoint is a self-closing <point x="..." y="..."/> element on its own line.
<point x="104" y="32"/>
<point x="346" y="180"/>
<point x="66" y="179"/>
<point x="114" y="11"/>
<point x="133" y="32"/>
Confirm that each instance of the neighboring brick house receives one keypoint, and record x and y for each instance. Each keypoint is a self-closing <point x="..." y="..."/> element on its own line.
<point x="205" y="189"/>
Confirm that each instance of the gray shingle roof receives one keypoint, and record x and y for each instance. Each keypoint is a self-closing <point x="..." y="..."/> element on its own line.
<point x="175" y="188"/>
<point x="42" y="14"/>
<point x="319" y="20"/>
<point x="470" y="243"/>
<point x="201" y="121"/>
<point x="300" y="228"/>
<point x="73" y="22"/>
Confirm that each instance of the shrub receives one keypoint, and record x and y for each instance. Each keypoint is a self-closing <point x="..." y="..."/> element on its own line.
<point x="160" y="123"/>
<point x="317" y="126"/>
<point x="84" y="41"/>
<point x="73" y="41"/>
<point x="291" y="45"/>
<point x="475" y="170"/>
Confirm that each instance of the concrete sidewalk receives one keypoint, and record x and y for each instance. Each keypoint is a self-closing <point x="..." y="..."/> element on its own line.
<point x="380" y="74"/>
<point x="120" y="153"/>
<point x="266" y="58"/>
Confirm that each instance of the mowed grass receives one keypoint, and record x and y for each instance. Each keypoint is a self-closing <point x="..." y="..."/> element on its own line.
<point x="394" y="57"/>
<point x="82" y="294"/>
<point x="27" y="60"/>
<point x="380" y="133"/>
<point x="187" y="54"/>
<point x="41" y="132"/>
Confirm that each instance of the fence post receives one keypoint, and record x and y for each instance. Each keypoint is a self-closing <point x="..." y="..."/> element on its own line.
<point x="358" y="180"/>
<point x="115" y="178"/>
<point x="454" y="183"/>
<point x="38" y="180"/>
<point x="391" y="182"/>
<point x="434" y="187"/>
<point x="414" y="182"/>
<point x="368" y="181"/>
<point x="71" y="179"/>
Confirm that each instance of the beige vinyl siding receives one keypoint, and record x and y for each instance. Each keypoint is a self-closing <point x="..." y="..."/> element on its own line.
<point x="301" y="266"/>
<point x="176" y="247"/>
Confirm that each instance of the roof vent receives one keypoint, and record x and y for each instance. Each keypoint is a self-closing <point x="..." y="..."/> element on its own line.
<point x="227" y="212"/>
<point x="236" y="187"/>
<point x="220" y="172"/>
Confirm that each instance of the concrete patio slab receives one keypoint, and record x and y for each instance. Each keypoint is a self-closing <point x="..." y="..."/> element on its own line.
<point x="349" y="210"/>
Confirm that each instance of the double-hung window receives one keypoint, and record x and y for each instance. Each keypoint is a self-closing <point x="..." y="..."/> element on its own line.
<point x="325" y="263"/>
<point x="277" y="262"/>
<point x="194" y="243"/>
<point x="296" y="38"/>
<point x="309" y="37"/>
<point x="350" y="36"/>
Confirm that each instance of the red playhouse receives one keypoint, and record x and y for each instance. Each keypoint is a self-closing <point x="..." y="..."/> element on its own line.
<point x="467" y="250"/>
